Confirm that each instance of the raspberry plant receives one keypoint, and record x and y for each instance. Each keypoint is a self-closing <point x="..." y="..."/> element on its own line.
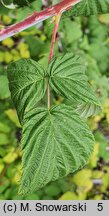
<point x="56" y="140"/>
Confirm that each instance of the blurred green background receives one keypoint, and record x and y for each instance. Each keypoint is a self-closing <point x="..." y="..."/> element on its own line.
<point x="88" y="37"/>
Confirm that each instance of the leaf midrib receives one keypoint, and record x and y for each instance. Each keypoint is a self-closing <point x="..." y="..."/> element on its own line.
<point x="55" y="139"/>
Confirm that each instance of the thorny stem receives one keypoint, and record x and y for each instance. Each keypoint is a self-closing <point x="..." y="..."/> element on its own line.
<point x="37" y="17"/>
<point x="57" y="19"/>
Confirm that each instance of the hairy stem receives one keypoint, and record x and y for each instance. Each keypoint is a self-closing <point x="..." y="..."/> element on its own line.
<point x="36" y="18"/>
<point x="57" y="19"/>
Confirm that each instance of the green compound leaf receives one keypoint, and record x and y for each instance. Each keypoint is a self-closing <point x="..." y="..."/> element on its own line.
<point x="27" y="84"/>
<point x="89" y="7"/>
<point x="55" y="143"/>
<point x="67" y="77"/>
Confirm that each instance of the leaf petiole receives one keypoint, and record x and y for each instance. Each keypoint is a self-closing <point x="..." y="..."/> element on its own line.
<point x="53" y="40"/>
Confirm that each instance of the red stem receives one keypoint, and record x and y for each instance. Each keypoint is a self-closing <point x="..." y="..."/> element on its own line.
<point x="57" y="19"/>
<point x="37" y="17"/>
<point x="54" y="37"/>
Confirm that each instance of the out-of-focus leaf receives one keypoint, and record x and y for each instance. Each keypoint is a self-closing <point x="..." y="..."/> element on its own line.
<point x="9" y="5"/>
<point x="52" y="190"/>
<point x="4" y="88"/>
<point x="1" y="166"/>
<point x="69" y="196"/>
<point x="103" y="144"/>
<point x="13" y="117"/>
<point x="10" y="157"/>
<point x="105" y="183"/>
<point x="72" y="30"/>
<point x="83" y="179"/>
<point x="104" y="18"/>
<point x="94" y="157"/>
<point x="4" y="127"/>
<point x="8" y="42"/>
<point x="4" y="140"/>
<point x="29" y="9"/>
<point x="4" y="183"/>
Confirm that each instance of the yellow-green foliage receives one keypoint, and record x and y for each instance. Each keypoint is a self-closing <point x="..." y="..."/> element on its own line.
<point x="90" y="37"/>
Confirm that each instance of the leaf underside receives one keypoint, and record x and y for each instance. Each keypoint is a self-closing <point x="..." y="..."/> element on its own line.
<point x="66" y="75"/>
<point x="86" y="110"/>
<point x="68" y="78"/>
<point x="27" y="84"/>
<point x="55" y="143"/>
